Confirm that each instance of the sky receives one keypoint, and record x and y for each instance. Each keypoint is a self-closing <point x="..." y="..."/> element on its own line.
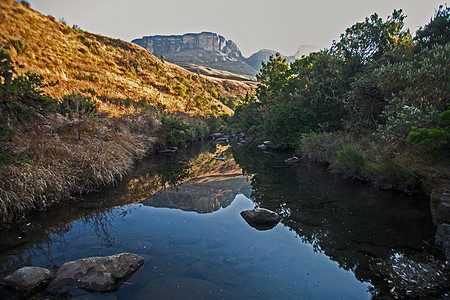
<point x="281" y="25"/>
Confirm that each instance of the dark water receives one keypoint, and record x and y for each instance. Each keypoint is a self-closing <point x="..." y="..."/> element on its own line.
<point x="183" y="218"/>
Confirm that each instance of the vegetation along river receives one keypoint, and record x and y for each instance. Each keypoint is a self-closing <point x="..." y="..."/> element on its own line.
<point x="338" y="239"/>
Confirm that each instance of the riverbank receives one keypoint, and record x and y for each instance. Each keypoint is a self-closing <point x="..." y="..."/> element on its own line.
<point x="58" y="157"/>
<point x="405" y="170"/>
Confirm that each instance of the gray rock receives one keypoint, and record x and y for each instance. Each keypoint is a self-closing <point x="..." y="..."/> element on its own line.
<point x="99" y="274"/>
<point x="261" y="218"/>
<point x="27" y="278"/>
<point x="292" y="160"/>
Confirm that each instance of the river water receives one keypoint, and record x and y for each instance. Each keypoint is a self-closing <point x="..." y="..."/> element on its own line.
<point x="181" y="212"/>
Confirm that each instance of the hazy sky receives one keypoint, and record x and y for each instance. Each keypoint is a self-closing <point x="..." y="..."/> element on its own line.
<point x="280" y="25"/>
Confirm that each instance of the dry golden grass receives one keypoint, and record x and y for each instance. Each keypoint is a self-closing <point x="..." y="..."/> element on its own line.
<point x="65" y="156"/>
<point x="60" y="164"/>
<point x="78" y="61"/>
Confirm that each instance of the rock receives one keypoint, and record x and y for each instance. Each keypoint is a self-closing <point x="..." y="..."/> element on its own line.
<point x="168" y="151"/>
<point x="261" y="218"/>
<point x="99" y="274"/>
<point x="222" y="140"/>
<point x="266" y="145"/>
<point x="216" y="135"/>
<point x="27" y="278"/>
<point x="262" y="146"/>
<point x="219" y="158"/>
<point x="206" y="49"/>
<point x="292" y="160"/>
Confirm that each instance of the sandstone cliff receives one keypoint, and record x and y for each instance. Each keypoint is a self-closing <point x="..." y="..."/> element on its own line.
<point x="197" y="51"/>
<point x="206" y="49"/>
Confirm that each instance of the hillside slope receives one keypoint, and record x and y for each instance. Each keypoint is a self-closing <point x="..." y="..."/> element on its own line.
<point x="77" y="60"/>
<point x="110" y="105"/>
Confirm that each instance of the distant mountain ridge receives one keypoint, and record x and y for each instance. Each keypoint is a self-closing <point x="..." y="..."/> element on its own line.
<point x="211" y="50"/>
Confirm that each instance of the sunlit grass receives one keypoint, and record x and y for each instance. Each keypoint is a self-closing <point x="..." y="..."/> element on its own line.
<point x="65" y="156"/>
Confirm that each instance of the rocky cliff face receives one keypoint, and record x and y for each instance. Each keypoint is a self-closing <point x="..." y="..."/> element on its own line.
<point x="206" y="41"/>
<point x="210" y="50"/>
<point x="205" y="49"/>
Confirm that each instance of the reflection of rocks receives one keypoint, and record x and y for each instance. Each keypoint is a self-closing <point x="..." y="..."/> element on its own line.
<point x="100" y="274"/>
<point x="27" y="278"/>
<point x="203" y="195"/>
<point x="261" y="218"/>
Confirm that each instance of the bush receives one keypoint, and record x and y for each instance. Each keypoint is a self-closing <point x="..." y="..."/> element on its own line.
<point x="320" y="147"/>
<point x="386" y="171"/>
<point x="21" y="97"/>
<point x="78" y="105"/>
<point x="176" y="131"/>
<point x="434" y="138"/>
<point x="349" y="160"/>
<point x="179" y="90"/>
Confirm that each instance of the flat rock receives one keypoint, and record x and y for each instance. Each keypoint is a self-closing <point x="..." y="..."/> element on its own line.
<point x="99" y="274"/>
<point x="261" y="218"/>
<point x="27" y="278"/>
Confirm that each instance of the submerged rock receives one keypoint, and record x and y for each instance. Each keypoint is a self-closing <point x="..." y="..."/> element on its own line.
<point x="261" y="218"/>
<point x="27" y="278"/>
<point x="414" y="277"/>
<point x="99" y="274"/>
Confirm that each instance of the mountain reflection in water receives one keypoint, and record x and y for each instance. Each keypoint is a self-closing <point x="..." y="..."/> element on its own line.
<point x="185" y="221"/>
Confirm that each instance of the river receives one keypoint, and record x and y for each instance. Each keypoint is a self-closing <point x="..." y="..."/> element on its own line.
<point x="181" y="212"/>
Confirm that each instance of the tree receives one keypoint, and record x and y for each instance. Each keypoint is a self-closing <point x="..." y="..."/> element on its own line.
<point x="272" y="79"/>
<point x="437" y="32"/>
<point x="370" y="39"/>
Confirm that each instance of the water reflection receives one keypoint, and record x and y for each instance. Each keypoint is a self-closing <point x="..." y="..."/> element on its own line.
<point x="188" y="227"/>
<point x="353" y="224"/>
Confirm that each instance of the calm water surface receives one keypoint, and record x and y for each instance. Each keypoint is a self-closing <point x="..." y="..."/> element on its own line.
<point x="182" y="214"/>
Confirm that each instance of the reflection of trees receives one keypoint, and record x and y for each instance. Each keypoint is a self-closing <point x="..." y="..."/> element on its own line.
<point x="352" y="223"/>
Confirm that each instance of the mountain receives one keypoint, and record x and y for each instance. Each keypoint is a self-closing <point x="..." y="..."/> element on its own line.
<point x="263" y="55"/>
<point x="211" y="54"/>
<point x="205" y="49"/>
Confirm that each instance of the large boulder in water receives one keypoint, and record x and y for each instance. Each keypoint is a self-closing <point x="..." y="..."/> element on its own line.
<point x="261" y="218"/>
<point x="27" y="278"/>
<point x="98" y="274"/>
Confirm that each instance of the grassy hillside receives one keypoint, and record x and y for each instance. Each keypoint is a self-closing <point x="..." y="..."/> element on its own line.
<point x="101" y="105"/>
<point x="109" y="68"/>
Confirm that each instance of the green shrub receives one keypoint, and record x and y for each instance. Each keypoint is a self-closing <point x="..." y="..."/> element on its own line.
<point x="21" y="97"/>
<point x="434" y="138"/>
<point x="349" y="160"/>
<point x="179" y="90"/>
<point x="19" y="46"/>
<point x="320" y="147"/>
<point x="389" y="171"/>
<point x="176" y="131"/>
<point x="78" y="105"/>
